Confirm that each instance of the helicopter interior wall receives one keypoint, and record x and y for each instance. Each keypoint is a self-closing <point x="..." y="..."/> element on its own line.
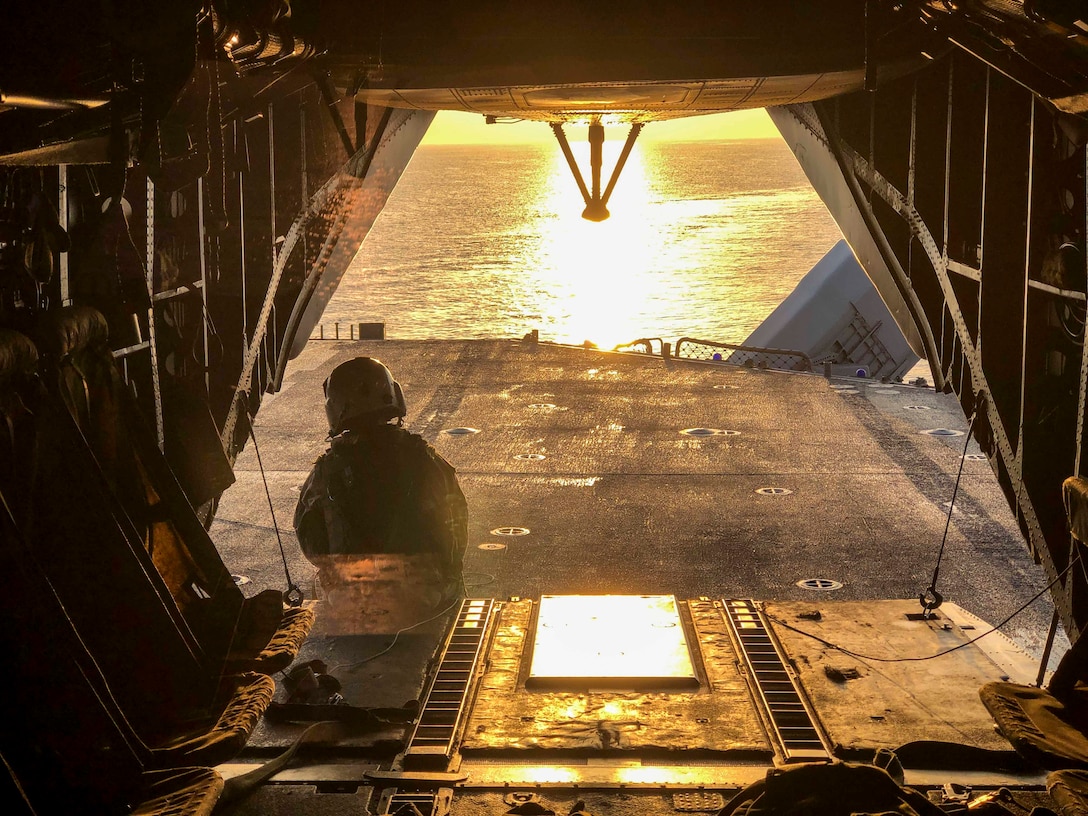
<point x="978" y="201"/>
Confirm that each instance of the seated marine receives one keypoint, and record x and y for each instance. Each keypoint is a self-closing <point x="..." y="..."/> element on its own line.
<point x="379" y="490"/>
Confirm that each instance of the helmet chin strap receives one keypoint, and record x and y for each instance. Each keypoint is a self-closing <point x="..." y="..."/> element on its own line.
<point x="358" y="427"/>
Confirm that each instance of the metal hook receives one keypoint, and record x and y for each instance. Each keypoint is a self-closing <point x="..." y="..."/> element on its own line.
<point x="930" y="600"/>
<point x="293" y="596"/>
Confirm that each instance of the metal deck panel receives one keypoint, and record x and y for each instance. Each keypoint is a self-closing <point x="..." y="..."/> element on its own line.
<point x="865" y="704"/>
<point x="539" y="727"/>
<point x="610" y="641"/>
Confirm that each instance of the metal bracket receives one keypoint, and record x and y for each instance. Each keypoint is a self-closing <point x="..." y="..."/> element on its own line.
<point x="596" y="203"/>
<point x="420" y="778"/>
<point x="415" y="803"/>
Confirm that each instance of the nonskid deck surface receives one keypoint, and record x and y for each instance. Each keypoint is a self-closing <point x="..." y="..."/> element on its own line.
<point x="624" y="502"/>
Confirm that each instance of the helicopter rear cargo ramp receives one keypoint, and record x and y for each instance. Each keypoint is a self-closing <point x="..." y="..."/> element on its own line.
<point x="719" y="692"/>
<point x="763" y="692"/>
<point x="810" y="501"/>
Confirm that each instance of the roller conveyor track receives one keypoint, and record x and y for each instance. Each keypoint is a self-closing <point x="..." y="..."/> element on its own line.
<point x="433" y="741"/>
<point x="784" y="708"/>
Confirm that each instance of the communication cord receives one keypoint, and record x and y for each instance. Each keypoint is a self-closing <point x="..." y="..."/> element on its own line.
<point x="919" y="659"/>
<point x="396" y="637"/>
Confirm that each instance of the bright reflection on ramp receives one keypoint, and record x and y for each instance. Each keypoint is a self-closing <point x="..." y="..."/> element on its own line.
<point x="610" y="641"/>
<point x="635" y="775"/>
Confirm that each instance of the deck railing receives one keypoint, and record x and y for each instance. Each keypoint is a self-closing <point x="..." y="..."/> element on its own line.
<point x="644" y="345"/>
<point x="348" y="331"/>
<point x="689" y="348"/>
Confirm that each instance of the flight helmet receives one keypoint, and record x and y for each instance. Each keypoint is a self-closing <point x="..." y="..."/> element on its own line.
<point x="364" y="390"/>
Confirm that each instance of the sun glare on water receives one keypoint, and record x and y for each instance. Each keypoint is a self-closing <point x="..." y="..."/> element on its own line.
<point x="597" y="276"/>
<point x="704" y="240"/>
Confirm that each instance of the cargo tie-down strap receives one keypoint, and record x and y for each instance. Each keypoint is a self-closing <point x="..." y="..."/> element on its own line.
<point x="240" y="787"/>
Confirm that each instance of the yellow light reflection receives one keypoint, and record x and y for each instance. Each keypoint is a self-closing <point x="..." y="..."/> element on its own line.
<point x="652" y="776"/>
<point x="610" y="636"/>
<point x="599" y="276"/>
<point x="575" y="710"/>
<point x="543" y="774"/>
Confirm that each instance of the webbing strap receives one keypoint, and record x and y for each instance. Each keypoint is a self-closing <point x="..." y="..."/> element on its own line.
<point x="240" y="787"/>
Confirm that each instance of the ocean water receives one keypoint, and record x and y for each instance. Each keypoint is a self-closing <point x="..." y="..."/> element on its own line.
<point x="705" y="239"/>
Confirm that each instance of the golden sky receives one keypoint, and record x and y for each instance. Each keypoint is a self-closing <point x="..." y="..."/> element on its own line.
<point x="453" y="127"/>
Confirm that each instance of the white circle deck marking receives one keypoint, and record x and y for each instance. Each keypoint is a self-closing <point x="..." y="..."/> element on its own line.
<point x="461" y="431"/>
<point x="819" y="584"/>
<point x="773" y="491"/>
<point x="510" y="531"/>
